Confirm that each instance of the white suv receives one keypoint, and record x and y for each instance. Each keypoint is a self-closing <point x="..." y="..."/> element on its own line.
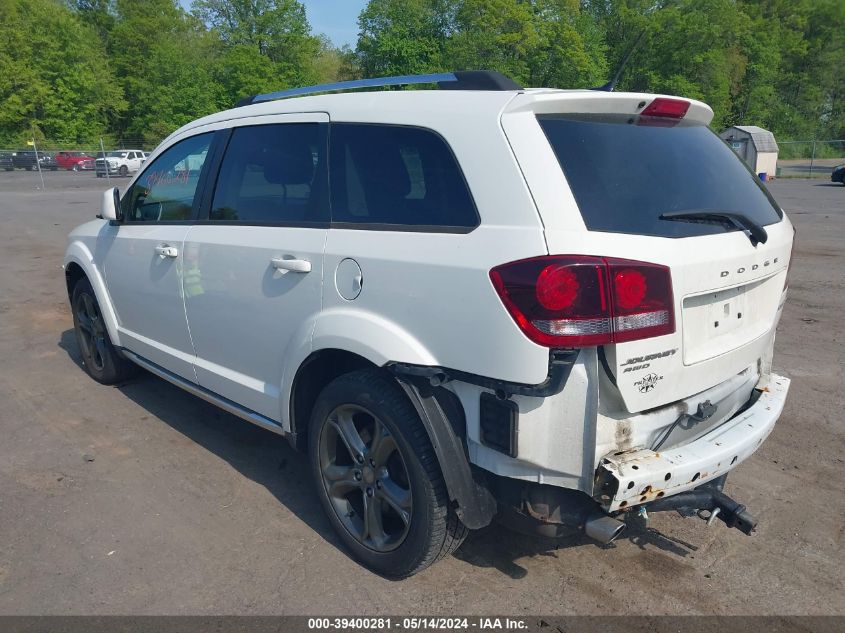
<point x="554" y="306"/>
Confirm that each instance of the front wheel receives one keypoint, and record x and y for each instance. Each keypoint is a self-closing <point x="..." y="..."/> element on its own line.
<point x="99" y="357"/>
<point x="75" y="168"/>
<point x="123" y="171"/>
<point x="378" y="477"/>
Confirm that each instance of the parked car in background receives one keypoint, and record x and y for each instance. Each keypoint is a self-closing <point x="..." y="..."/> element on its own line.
<point x="6" y="161"/>
<point x="74" y="161"/>
<point x="838" y="174"/>
<point x="120" y="162"/>
<point x="460" y="303"/>
<point x="26" y="159"/>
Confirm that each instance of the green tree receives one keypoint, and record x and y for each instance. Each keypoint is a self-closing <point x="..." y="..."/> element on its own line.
<point x="54" y="77"/>
<point x="398" y="37"/>
<point x="98" y="14"/>
<point x="496" y="35"/>
<point x="162" y="57"/>
<point x="570" y="52"/>
<point x="538" y="42"/>
<point x="276" y="29"/>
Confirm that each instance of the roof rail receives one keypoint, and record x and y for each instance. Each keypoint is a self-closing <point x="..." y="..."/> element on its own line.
<point x="458" y="80"/>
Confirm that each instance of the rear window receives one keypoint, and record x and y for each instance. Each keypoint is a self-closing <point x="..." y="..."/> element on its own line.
<point x="624" y="175"/>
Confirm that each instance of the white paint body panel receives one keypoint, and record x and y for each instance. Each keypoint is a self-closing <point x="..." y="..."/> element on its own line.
<point x="146" y="293"/>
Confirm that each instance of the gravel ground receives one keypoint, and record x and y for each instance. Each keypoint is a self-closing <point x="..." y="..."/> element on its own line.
<point x="144" y="500"/>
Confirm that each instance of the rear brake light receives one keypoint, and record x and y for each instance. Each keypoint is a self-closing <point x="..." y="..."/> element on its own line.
<point x="666" y="108"/>
<point x="582" y="301"/>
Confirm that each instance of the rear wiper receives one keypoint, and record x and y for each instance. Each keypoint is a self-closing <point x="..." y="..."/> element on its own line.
<point x="756" y="233"/>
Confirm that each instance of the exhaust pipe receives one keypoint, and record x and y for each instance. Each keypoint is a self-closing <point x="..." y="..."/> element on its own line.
<point x="603" y="528"/>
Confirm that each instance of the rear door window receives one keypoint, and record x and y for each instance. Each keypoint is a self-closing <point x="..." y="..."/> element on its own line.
<point x="397" y="177"/>
<point x="273" y="174"/>
<point x="625" y="175"/>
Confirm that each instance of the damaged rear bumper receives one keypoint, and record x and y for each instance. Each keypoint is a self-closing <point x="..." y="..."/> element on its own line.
<point x="640" y="476"/>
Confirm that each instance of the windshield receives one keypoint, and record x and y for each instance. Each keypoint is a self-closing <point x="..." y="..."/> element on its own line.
<point x="625" y="175"/>
<point x="116" y="154"/>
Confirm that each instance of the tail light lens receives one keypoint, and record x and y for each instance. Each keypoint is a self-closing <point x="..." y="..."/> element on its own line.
<point x="666" y="108"/>
<point x="582" y="301"/>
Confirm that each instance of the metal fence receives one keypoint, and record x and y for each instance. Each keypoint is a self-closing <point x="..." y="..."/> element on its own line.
<point x="45" y="172"/>
<point x="809" y="159"/>
<point x="52" y="146"/>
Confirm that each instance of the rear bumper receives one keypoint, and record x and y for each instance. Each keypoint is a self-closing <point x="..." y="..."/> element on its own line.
<point x="629" y="478"/>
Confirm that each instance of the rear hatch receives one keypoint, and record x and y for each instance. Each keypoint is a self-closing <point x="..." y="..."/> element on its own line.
<point x="612" y="181"/>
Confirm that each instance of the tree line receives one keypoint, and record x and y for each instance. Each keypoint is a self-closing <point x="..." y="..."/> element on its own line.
<point x="76" y="70"/>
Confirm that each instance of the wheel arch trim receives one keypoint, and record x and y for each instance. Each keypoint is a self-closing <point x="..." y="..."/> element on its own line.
<point x="358" y="332"/>
<point x="78" y="254"/>
<point x="475" y="504"/>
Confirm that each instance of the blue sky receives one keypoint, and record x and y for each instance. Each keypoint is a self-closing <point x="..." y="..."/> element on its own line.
<point x="336" y="18"/>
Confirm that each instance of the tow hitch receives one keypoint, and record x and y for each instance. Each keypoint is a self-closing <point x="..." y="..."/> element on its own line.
<point x="709" y="498"/>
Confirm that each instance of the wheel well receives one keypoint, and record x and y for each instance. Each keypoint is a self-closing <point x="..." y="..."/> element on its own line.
<point x="317" y="371"/>
<point x="73" y="273"/>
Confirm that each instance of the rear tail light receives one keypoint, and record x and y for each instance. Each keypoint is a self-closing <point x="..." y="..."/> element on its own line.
<point x="582" y="301"/>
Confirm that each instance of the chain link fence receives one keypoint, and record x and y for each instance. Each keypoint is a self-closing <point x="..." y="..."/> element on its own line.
<point x="809" y="159"/>
<point x="52" y="146"/>
<point x="54" y="157"/>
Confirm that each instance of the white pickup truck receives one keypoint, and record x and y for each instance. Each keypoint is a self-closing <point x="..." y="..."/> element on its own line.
<point x="120" y="162"/>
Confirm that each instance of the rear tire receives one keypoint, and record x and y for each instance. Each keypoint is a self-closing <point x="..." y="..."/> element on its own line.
<point x="100" y="358"/>
<point x="378" y="477"/>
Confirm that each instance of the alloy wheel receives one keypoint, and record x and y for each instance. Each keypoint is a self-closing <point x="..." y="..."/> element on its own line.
<point x="91" y="331"/>
<point x="365" y="477"/>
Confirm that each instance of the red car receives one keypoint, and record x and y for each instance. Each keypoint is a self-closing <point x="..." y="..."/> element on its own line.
<point x="74" y="161"/>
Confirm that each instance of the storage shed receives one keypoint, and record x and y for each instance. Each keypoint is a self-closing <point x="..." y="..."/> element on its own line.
<point x="754" y="145"/>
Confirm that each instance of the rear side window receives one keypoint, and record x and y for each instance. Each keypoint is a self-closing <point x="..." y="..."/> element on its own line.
<point x="625" y="175"/>
<point x="165" y="191"/>
<point x="272" y="174"/>
<point x="387" y="176"/>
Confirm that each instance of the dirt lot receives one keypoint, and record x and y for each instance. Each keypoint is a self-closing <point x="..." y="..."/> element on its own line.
<point x="145" y="500"/>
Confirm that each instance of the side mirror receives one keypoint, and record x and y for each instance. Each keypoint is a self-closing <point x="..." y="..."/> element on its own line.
<point x="110" y="207"/>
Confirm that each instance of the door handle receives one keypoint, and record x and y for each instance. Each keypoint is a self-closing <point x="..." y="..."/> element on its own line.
<point x="293" y="265"/>
<point x="165" y="250"/>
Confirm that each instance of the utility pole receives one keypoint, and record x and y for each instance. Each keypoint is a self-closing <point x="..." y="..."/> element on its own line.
<point x="105" y="162"/>
<point x="38" y="162"/>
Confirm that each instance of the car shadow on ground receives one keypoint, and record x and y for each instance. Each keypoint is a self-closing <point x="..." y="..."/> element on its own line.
<point x="268" y="459"/>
